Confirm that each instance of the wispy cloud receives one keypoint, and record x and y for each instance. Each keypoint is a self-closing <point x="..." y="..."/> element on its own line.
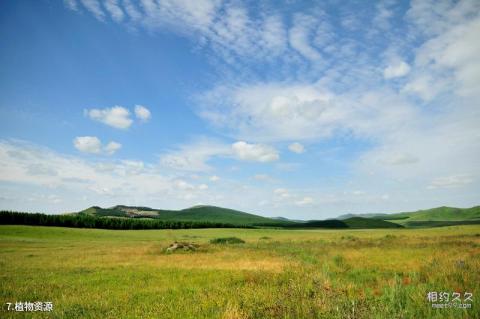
<point x="254" y="152"/>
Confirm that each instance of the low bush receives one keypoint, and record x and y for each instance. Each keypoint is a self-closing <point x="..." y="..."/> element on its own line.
<point x="227" y="240"/>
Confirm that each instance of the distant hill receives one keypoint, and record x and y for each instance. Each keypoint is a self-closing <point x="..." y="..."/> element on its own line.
<point x="362" y="222"/>
<point x="353" y="223"/>
<point x="440" y="216"/>
<point x="289" y="220"/>
<point x="196" y="213"/>
<point x="346" y="216"/>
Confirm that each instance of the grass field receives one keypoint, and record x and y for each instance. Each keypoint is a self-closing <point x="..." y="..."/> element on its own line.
<point x="90" y="273"/>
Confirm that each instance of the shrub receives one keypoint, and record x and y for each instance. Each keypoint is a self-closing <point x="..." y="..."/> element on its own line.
<point x="227" y="240"/>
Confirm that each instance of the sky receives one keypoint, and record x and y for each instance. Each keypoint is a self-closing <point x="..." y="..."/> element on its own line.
<point x="300" y="109"/>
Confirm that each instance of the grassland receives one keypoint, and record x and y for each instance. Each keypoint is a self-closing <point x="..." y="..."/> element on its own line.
<point x="382" y="273"/>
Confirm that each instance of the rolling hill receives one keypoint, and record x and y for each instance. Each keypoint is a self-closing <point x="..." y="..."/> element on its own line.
<point x="352" y="223"/>
<point x="196" y="213"/>
<point x="439" y="216"/>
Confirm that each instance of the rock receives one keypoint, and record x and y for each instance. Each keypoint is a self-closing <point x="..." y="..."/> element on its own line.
<point x="183" y="246"/>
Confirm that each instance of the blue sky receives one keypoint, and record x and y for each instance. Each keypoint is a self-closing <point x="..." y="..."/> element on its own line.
<point x="301" y="109"/>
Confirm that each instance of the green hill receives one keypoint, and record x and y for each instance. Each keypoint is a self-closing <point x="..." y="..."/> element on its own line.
<point x="197" y="213"/>
<point x="352" y="223"/>
<point x="441" y="216"/>
<point x="362" y="222"/>
<point x="435" y="216"/>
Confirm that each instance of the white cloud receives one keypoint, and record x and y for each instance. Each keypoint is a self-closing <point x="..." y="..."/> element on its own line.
<point x="405" y="143"/>
<point x="396" y="70"/>
<point x="254" y="152"/>
<point x="262" y="177"/>
<point x="92" y="144"/>
<point x="132" y="11"/>
<point x="142" y="113"/>
<point x="71" y="4"/>
<point x="299" y="36"/>
<point x="296" y="148"/>
<point x="282" y="193"/>
<point x="424" y="86"/>
<point x="183" y="185"/>
<point x="304" y="201"/>
<point x="383" y="14"/>
<point x="399" y="159"/>
<point x="94" y="7"/>
<point x="279" y="112"/>
<point x="202" y="187"/>
<point x="452" y="181"/>
<point x="456" y="50"/>
<point x="227" y="28"/>
<point x="194" y="156"/>
<point x="112" y="147"/>
<point x="117" y="116"/>
<point x="88" y="144"/>
<point x="214" y="178"/>
<point x="114" y="9"/>
<point x="358" y="193"/>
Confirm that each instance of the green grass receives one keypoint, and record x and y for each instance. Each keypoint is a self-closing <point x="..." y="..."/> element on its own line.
<point x="92" y="273"/>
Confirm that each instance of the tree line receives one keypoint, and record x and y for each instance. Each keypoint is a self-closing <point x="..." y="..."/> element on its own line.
<point x="87" y="221"/>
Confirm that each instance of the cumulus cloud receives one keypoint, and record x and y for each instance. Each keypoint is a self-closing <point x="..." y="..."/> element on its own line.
<point x="411" y="129"/>
<point x="93" y="145"/>
<point x="105" y="183"/>
<point x="88" y="144"/>
<point x="254" y="152"/>
<point x="396" y="70"/>
<point x="196" y="155"/>
<point x="142" y="113"/>
<point x="296" y="148"/>
<point x="117" y="116"/>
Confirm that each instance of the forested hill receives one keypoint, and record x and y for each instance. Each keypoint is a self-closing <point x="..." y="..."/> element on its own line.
<point x="193" y="214"/>
<point x="439" y="216"/>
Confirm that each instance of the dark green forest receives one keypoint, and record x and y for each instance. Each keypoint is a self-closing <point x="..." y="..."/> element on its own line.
<point x="86" y="221"/>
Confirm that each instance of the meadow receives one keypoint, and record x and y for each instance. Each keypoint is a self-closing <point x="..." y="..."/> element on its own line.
<point x="276" y="273"/>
